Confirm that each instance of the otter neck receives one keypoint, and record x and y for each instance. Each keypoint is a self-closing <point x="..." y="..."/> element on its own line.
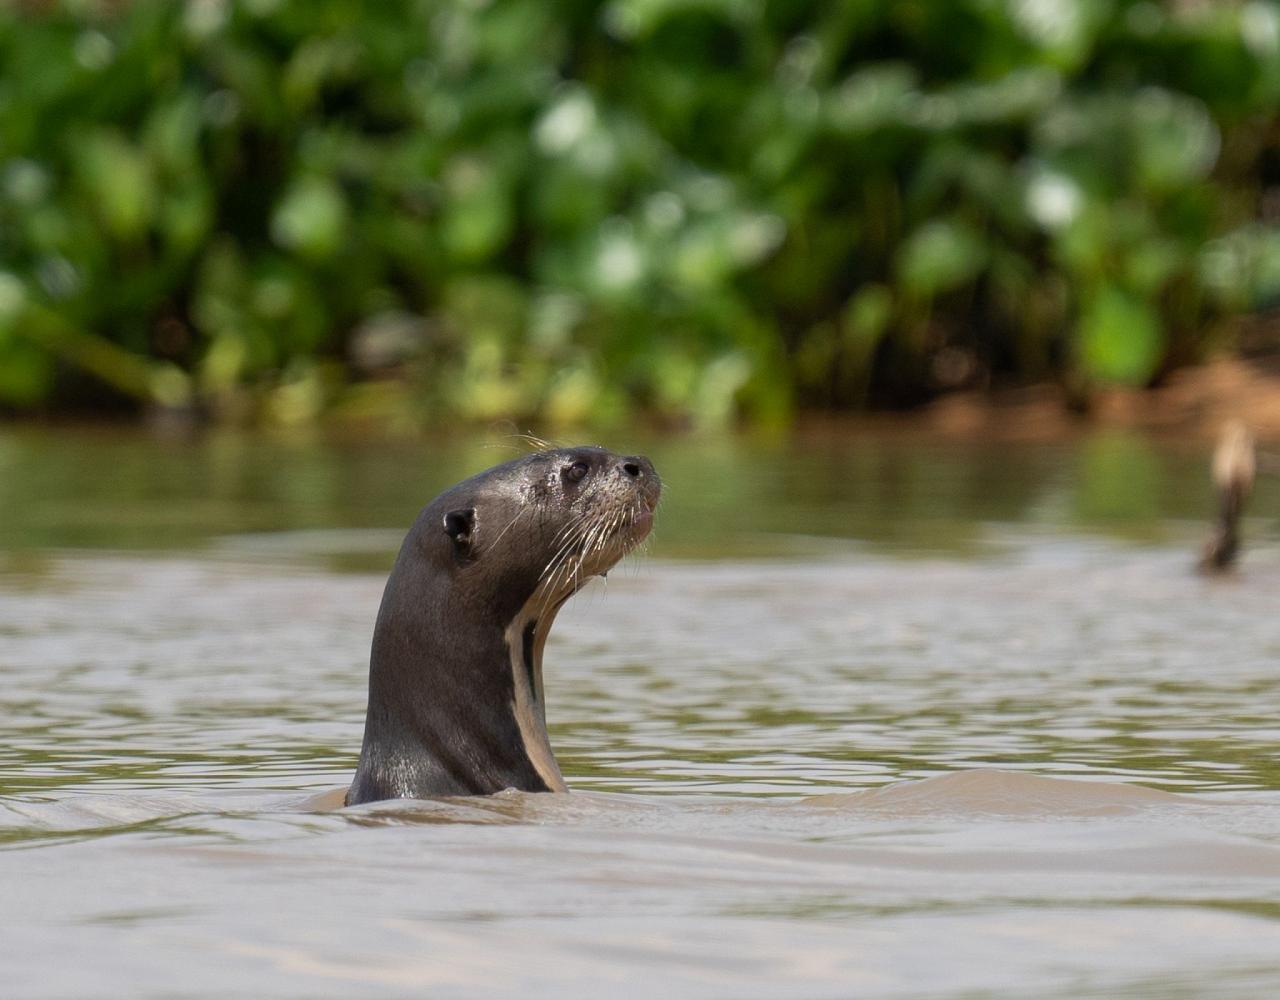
<point x="525" y="639"/>
<point x="454" y="711"/>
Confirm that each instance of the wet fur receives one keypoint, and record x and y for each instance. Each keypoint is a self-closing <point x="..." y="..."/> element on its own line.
<point x="455" y="705"/>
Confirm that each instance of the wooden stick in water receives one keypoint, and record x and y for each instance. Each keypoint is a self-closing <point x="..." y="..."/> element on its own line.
<point x="1234" y="465"/>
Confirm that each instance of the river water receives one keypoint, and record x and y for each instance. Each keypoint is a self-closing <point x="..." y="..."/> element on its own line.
<point x="875" y="717"/>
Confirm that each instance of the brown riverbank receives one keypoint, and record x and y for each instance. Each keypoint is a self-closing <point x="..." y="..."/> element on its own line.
<point x="1192" y="403"/>
<point x="1195" y="402"/>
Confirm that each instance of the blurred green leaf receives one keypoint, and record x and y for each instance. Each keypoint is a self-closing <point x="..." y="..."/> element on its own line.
<point x="13" y="301"/>
<point x="1175" y="140"/>
<point x="118" y="182"/>
<point x="311" y="218"/>
<point x="479" y="215"/>
<point x="1120" y="338"/>
<point x="938" y="257"/>
<point x="867" y="316"/>
<point x="872" y="98"/>
<point x="26" y="373"/>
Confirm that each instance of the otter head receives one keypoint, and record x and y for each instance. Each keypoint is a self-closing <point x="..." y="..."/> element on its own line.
<point x="541" y="525"/>
<point x="455" y="678"/>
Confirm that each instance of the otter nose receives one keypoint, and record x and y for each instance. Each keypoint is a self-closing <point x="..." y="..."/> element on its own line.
<point x="642" y="477"/>
<point x="636" y="467"/>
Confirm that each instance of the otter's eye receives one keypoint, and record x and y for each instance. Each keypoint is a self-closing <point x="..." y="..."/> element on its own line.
<point x="576" y="472"/>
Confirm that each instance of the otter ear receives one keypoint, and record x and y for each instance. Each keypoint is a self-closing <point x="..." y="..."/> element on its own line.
<point x="458" y="525"/>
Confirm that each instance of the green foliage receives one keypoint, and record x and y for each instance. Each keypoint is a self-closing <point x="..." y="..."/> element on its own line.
<point x="416" y="209"/>
<point x="1120" y="337"/>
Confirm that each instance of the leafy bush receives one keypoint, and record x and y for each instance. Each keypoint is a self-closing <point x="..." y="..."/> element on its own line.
<point x="695" y="208"/>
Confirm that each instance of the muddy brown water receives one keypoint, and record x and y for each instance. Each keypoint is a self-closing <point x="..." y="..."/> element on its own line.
<point x="875" y="717"/>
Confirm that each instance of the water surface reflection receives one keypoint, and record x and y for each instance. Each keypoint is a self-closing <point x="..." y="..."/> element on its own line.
<point x="184" y="632"/>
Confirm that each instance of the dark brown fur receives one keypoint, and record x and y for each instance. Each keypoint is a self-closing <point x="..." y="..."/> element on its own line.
<point x="441" y="718"/>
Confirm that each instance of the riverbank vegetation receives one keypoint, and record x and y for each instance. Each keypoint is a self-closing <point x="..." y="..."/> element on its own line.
<point x="408" y="211"/>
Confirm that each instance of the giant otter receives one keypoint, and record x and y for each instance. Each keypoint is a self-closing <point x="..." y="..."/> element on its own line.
<point x="455" y="673"/>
